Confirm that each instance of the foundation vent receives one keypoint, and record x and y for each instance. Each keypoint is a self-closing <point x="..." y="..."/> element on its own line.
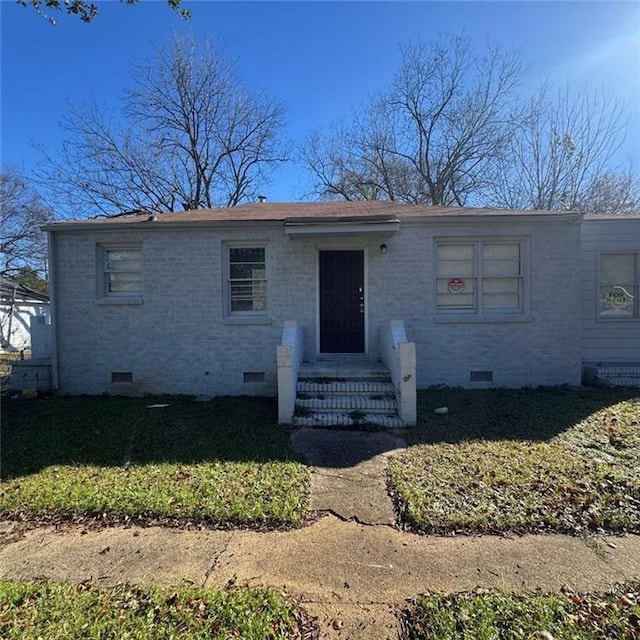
<point x="253" y="376"/>
<point x="121" y="376"/>
<point x="481" y="376"/>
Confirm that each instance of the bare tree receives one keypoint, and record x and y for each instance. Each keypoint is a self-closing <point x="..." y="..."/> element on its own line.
<point x="22" y="213"/>
<point x="431" y="137"/>
<point x="85" y="9"/>
<point x="613" y="193"/>
<point x="191" y="136"/>
<point x="559" y="154"/>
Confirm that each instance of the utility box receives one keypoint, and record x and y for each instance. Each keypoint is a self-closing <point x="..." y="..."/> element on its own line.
<point x="40" y="338"/>
<point x="31" y="374"/>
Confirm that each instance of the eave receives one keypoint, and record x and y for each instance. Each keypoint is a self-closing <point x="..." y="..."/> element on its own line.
<point x="344" y="227"/>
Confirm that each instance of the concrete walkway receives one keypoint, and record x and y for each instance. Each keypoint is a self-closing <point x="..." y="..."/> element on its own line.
<point x="349" y="472"/>
<point x="351" y="575"/>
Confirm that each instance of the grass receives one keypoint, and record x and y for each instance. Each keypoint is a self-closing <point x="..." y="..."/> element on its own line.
<point x="524" y="460"/>
<point x="48" y="611"/>
<point x="506" y="616"/>
<point x="226" y="461"/>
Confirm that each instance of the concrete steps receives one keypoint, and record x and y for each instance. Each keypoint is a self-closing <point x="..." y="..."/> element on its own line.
<point x="345" y="393"/>
<point x="323" y="420"/>
<point x="613" y="375"/>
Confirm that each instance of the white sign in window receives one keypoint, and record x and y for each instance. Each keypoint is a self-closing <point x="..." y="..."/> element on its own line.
<point x="618" y="286"/>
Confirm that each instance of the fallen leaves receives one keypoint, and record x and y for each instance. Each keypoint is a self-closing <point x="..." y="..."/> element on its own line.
<point x="567" y="616"/>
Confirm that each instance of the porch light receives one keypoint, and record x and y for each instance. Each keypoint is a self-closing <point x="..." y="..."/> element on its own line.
<point x="383" y="248"/>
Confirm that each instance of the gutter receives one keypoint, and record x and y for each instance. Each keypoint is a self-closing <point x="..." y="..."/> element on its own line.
<point x="160" y="225"/>
<point x="554" y="218"/>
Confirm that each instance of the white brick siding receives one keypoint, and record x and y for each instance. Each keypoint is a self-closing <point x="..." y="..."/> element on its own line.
<point x="178" y="339"/>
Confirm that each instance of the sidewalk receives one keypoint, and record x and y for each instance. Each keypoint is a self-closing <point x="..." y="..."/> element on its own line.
<point x="353" y="576"/>
<point x="344" y="572"/>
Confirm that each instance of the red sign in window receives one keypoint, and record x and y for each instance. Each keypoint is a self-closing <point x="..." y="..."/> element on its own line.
<point x="455" y="285"/>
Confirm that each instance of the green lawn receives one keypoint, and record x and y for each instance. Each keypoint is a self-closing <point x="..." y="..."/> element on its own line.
<point x="507" y="616"/>
<point x="522" y="460"/>
<point x="48" y="611"/>
<point x="224" y="462"/>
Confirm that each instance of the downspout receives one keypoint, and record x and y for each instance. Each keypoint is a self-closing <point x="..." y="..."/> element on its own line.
<point x="53" y="311"/>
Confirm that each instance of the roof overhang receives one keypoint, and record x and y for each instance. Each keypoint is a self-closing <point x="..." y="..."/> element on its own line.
<point x="341" y="227"/>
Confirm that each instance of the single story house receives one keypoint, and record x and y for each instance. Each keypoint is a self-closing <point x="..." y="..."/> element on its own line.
<point x="18" y="305"/>
<point x="340" y="308"/>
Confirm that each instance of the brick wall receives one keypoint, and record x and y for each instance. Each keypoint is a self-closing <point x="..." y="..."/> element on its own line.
<point x="542" y="347"/>
<point x="178" y="339"/>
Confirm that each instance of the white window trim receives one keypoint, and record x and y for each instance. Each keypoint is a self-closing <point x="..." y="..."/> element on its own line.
<point x="636" y="318"/>
<point x="102" y="289"/>
<point x="244" y="317"/>
<point x="477" y="314"/>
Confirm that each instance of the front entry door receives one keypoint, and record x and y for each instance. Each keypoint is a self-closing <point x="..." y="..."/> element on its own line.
<point x="342" y="302"/>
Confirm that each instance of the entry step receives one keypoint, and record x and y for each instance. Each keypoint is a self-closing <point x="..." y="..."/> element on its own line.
<point x="342" y="370"/>
<point x="344" y="403"/>
<point x="327" y="419"/>
<point x="364" y="387"/>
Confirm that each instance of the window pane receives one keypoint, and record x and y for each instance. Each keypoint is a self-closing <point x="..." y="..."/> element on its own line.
<point x="248" y="303"/>
<point x="501" y="259"/>
<point x="456" y="251"/>
<point x="456" y="260"/>
<point x="460" y="268"/>
<point x="501" y="293"/>
<point x="246" y="255"/>
<point x="121" y="282"/>
<point x="618" y="285"/>
<point x="501" y="251"/>
<point x="124" y="260"/>
<point x="123" y="270"/>
<point x="247" y="271"/>
<point x="619" y="302"/>
<point x="247" y="279"/>
<point x="617" y="268"/>
<point x="501" y="268"/>
<point x="459" y="294"/>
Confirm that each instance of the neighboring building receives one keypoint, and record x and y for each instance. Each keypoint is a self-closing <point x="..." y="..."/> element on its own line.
<point x="196" y="302"/>
<point x="610" y="278"/>
<point x="18" y="304"/>
<point x="610" y="298"/>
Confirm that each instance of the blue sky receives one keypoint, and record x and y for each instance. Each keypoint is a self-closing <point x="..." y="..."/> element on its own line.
<point x="320" y="58"/>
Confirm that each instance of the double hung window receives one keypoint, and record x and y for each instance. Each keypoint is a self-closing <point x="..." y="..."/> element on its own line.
<point x="480" y="277"/>
<point x="247" y="284"/>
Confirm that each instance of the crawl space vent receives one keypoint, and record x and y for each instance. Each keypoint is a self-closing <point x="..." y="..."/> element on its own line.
<point x="253" y="376"/>
<point x="481" y="376"/>
<point x="121" y="376"/>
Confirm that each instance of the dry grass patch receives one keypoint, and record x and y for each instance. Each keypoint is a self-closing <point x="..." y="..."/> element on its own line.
<point x="506" y="616"/>
<point x="585" y="476"/>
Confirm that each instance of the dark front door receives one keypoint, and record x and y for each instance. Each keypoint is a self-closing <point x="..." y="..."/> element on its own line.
<point x="342" y="302"/>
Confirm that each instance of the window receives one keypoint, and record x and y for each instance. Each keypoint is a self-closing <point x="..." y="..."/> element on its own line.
<point x="618" y="286"/>
<point x="121" y="271"/>
<point x="247" y="285"/>
<point x="480" y="277"/>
